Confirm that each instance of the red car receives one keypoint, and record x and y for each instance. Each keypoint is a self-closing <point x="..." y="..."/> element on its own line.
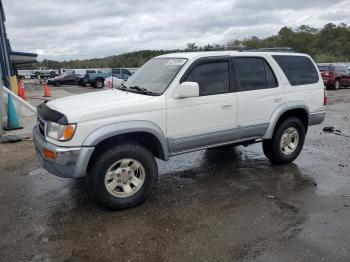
<point x="335" y="76"/>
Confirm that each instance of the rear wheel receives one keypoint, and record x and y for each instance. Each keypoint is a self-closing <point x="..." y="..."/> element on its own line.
<point x="286" y="143"/>
<point x="123" y="176"/>
<point x="336" y="84"/>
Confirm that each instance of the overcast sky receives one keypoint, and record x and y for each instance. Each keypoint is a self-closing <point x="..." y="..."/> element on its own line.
<point x="76" y="29"/>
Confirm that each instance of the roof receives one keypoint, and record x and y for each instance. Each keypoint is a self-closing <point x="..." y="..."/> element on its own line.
<point x="22" y="60"/>
<point x="195" y="55"/>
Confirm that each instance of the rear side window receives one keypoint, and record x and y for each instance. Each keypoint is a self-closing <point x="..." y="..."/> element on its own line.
<point x="253" y="73"/>
<point x="342" y="70"/>
<point x="298" y="69"/>
<point x="212" y="77"/>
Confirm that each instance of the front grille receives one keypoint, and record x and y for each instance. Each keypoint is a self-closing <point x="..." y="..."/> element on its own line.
<point x="41" y="125"/>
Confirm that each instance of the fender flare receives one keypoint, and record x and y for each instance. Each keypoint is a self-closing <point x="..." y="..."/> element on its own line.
<point x="120" y="128"/>
<point x="279" y="111"/>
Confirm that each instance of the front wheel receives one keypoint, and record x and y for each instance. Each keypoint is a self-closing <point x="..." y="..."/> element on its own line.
<point x="98" y="84"/>
<point x="123" y="176"/>
<point x="286" y="143"/>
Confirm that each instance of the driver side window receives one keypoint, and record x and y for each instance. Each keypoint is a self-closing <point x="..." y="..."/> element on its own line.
<point x="212" y="77"/>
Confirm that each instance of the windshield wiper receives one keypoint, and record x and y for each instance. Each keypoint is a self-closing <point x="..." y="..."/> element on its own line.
<point x="143" y="90"/>
<point x="123" y="87"/>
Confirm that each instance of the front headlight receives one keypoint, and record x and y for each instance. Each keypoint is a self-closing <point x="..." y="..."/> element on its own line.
<point x="59" y="132"/>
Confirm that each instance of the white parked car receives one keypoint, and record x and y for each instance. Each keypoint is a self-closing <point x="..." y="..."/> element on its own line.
<point x="175" y="104"/>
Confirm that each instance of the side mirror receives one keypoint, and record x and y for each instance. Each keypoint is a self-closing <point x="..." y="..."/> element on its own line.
<point x="186" y="90"/>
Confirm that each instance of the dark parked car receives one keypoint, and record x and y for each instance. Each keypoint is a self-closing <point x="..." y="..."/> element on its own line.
<point x="335" y="76"/>
<point x="121" y="73"/>
<point x="94" y="79"/>
<point x="70" y="79"/>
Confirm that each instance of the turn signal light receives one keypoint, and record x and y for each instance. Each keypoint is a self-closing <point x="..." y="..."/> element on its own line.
<point x="49" y="154"/>
<point x="68" y="132"/>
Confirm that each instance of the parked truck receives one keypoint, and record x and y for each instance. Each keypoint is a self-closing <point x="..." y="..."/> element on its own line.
<point x="94" y="79"/>
<point x="44" y="73"/>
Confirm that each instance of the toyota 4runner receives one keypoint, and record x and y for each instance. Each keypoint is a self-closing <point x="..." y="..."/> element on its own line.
<point x="175" y="104"/>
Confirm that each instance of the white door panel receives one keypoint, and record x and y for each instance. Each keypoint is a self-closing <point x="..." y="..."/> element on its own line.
<point x="257" y="106"/>
<point x="198" y="115"/>
<point x="312" y="95"/>
<point x="259" y="92"/>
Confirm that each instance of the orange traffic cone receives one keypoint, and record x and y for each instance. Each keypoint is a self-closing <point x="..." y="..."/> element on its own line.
<point x="47" y="92"/>
<point x="21" y="90"/>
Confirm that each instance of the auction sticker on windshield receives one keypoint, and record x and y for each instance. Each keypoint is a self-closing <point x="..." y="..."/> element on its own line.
<point x="176" y="62"/>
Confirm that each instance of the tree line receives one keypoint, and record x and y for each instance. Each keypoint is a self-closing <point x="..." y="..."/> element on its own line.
<point x="331" y="43"/>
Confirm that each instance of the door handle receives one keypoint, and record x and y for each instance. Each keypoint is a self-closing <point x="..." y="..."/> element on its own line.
<point x="278" y="99"/>
<point x="228" y="106"/>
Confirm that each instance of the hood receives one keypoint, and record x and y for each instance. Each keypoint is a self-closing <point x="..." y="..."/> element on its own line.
<point x="78" y="106"/>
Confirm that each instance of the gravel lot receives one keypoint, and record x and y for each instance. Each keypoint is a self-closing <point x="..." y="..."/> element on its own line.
<point x="207" y="206"/>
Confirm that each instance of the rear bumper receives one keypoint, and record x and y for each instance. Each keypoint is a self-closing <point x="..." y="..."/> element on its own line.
<point x="316" y="118"/>
<point x="70" y="162"/>
<point x="328" y="82"/>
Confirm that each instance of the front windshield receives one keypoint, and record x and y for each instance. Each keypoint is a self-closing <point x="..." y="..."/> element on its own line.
<point x="155" y="76"/>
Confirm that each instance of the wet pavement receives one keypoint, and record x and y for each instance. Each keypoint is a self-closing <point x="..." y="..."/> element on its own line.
<point x="211" y="205"/>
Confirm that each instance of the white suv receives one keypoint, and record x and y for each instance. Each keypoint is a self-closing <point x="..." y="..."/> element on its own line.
<point x="175" y="104"/>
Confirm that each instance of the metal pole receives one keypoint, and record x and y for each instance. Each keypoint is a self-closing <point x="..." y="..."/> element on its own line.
<point x="2" y="107"/>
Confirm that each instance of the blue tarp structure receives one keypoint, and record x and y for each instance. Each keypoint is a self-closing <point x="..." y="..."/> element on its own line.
<point x="11" y="61"/>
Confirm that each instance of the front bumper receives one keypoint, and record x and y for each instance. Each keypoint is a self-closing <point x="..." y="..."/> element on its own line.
<point x="70" y="162"/>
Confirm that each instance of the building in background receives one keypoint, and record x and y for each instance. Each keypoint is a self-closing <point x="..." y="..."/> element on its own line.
<point x="11" y="61"/>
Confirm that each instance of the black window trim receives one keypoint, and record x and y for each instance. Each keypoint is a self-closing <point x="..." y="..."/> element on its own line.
<point x="207" y="60"/>
<point x="236" y="85"/>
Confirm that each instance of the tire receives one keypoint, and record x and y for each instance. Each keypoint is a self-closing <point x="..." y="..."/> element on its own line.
<point x="99" y="84"/>
<point x="336" y="84"/>
<point x="109" y="189"/>
<point x="267" y="148"/>
<point x="293" y="131"/>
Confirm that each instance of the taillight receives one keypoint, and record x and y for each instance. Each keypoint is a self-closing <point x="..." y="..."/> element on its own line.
<point x="325" y="98"/>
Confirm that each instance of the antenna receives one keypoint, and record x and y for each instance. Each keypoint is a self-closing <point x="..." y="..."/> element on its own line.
<point x="112" y="76"/>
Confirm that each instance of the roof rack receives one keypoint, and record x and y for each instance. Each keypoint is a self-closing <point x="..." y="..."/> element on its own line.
<point x="243" y="48"/>
<point x="227" y="48"/>
<point x="276" y="49"/>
